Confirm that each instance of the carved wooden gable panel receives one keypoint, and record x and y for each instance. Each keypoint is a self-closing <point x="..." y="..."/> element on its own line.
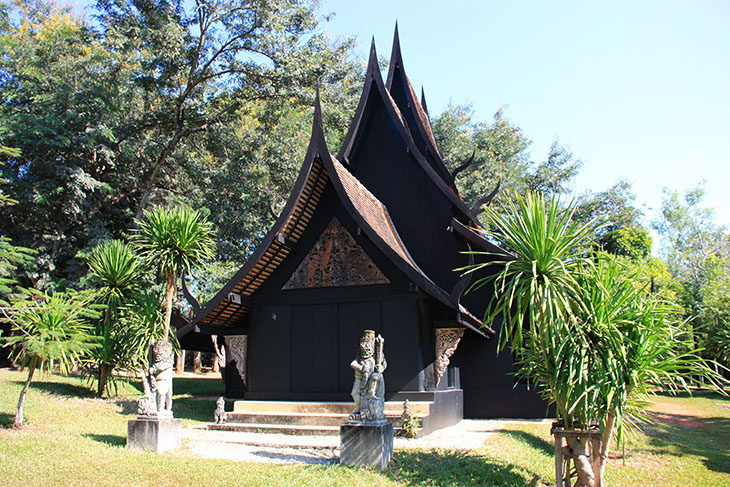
<point x="335" y="260"/>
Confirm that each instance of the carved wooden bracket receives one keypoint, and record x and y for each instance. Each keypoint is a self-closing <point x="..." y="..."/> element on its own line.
<point x="237" y="346"/>
<point x="447" y="339"/>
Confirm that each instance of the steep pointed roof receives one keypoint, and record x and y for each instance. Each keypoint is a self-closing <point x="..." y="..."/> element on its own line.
<point x="414" y="113"/>
<point x="375" y="91"/>
<point x="231" y="306"/>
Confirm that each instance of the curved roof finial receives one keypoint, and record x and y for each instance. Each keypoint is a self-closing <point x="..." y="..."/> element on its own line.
<point x="318" y="108"/>
<point x="423" y="101"/>
<point x="396" y="43"/>
<point x="396" y="58"/>
<point x="373" y="65"/>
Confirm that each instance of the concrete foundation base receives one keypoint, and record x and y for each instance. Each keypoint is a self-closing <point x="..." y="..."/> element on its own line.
<point x="156" y="434"/>
<point x="366" y="445"/>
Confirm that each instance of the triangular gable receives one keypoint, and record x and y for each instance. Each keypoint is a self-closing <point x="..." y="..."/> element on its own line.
<point x="335" y="260"/>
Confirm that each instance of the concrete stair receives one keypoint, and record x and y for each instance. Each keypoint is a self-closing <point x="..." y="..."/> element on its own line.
<point x="304" y="418"/>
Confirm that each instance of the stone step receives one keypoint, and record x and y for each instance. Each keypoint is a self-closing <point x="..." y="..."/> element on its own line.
<point x="392" y="408"/>
<point x="279" y="429"/>
<point x="316" y="419"/>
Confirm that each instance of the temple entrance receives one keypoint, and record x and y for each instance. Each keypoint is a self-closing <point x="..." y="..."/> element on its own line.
<point x="314" y="348"/>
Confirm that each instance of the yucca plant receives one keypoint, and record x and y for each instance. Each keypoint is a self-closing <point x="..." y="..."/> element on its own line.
<point x="118" y="274"/>
<point x="174" y="240"/>
<point x="578" y="326"/>
<point x="49" y="330"/>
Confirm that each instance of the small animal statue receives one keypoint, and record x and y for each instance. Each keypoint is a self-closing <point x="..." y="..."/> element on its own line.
<point x="146" y="405"/>
<point x="219" y="416"/>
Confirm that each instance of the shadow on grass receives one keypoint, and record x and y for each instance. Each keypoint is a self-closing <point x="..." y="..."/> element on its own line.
<point x="7" y="420"/>
<point x="455" y="468"/>
<point x="128" y="406"/>
<point x="182" y="407"/>
<point x="680" y="435"/>
<point x="194" y="386"/>
<point x="62" y="389"/>
<point x="111" y="440"/>
<point x="531" y="440"/>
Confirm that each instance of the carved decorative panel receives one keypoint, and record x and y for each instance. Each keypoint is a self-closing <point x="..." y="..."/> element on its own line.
<point x="447" y="339"/>
<point x="335" y="260"/>
<point x="237" y="346"/>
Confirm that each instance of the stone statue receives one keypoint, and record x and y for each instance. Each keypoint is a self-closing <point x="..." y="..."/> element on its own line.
<point x="219" y="415"/>
<point x="157" y="399"/>
<point x="368" y="390"/>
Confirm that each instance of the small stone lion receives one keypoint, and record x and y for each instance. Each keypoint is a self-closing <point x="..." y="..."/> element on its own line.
<point x="219" y="416"/>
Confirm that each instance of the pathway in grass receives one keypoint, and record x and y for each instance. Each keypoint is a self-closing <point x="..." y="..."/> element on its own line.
<point x="468" y="435"/>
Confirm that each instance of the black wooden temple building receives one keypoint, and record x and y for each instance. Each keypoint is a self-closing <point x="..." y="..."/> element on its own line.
<point x="369" y="239"/>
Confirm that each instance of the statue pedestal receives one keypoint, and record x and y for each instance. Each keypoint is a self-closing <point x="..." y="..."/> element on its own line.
<point x="366" y="445"/>
<point x="156" y="434"/>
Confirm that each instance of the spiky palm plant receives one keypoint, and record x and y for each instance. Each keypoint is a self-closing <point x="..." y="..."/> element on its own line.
<point x="174" y="240"/>
<point x="48" y="330"/>
<point x="118" y="274"/>
<point x="578" y="326"/>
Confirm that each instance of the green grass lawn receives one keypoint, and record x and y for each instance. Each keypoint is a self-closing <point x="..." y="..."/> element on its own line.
<point x="74" y="439"/>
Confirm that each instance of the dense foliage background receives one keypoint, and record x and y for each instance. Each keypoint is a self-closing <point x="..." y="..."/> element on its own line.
<point x="209" y="103"/>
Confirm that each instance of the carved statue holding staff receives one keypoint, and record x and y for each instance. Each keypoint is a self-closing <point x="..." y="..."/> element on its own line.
<point x="368" y="389"/>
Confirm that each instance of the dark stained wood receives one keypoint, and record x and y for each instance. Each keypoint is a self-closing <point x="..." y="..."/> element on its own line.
<point x="369" y="239"/>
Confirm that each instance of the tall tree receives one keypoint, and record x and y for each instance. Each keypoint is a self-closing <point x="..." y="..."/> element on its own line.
<point x="199" y="64"/>
<point x="499" y="149"/>
<point x="59" y="100"/>
<point x="174" y="240"/>
<point x="499" y="154"/>
<point x="151" y="104"/>
<point x="624" y="233"/>
<point x="697" y="253"/>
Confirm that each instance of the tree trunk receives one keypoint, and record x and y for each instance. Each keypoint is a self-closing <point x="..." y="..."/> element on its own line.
<point x="577" y="447"/>
<point x="605" y="446"/>
<point x="180" y="366"/>
<point x="103" y="377"/>
<point x="197" y="363"/>
<point x="214" y="366"/>
<point x="168" y="304"/>
<point x="21" y="400"/>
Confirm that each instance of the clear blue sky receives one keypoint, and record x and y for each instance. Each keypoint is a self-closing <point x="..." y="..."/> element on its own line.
<point x="638" y="89"/>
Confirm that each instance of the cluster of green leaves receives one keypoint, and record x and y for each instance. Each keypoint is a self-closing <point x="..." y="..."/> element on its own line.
<point x="576" y="321"/>
<point x="131" y="315"/>
<point x="500" y="155"/>
<point x="167" y="243"/>
<point x="49" y="329"/>
<point x="160" y="102"/>
<point x="697" y="254"/>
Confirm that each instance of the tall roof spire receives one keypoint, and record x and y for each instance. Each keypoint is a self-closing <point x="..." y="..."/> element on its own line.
<point x="423" y="101"/>
<point x="396" y="58"/>
<point x="372" y="60"/>
<point x="318" y="109"/>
